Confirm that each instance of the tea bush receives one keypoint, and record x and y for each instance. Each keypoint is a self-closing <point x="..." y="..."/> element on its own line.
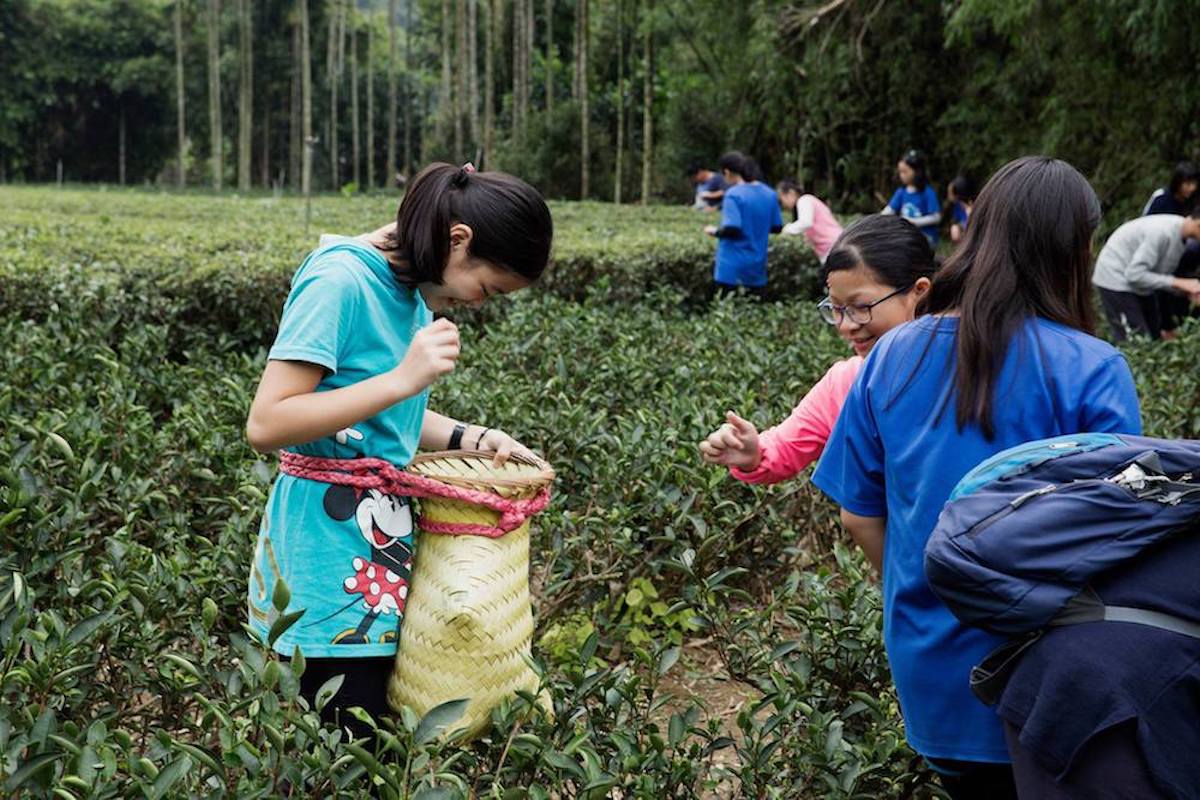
<point x="129" y="504"/>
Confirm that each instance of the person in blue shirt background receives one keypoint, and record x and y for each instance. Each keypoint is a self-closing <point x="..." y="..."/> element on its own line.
<point x="916" y="200"/>
<point x="1003" y="356"/>
<point x="749" y="214"/>
<point x="960" y="197"/>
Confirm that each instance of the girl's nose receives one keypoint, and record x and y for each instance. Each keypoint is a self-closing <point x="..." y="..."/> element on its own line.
<point x="846" y="325"/>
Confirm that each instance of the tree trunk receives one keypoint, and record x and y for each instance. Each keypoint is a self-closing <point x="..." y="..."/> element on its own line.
<point x="370" y="121"/>
<point x="460" y="83"/>
<point x="549" y="66"/>
<point x="121" y="143"/>
<point x="245" y="92"/>
<point x="473" y="77"/>
<point x="584" y="109"/>
<point x="620" y="154"/>
<point x="305" y="101"/>
<point x="214" y="91"/>
<point x="493" y="12"/>
<point x="333" y="75"/>
<point x="518" y="62"/>
<point x="446" y="96"/>
<point x="408" y="88"/>
<point x="356" y="173"/>
<point x="264" y="164"/>
<point x="180" y="97"/>
<point x="295" y="137"/>
<point x="389" y="174"/>
<point x="648" y="106"/>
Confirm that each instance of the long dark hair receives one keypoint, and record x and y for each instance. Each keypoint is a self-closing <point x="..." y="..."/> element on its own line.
<point x="895" y="250"/>
<point x="916" y="160"/>
<point x="1184" y="171"/>
<point x="511" y="224"/>
<point x="1026" y="253"/>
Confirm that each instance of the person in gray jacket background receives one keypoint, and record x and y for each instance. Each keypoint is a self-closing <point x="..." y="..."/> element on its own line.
<point x="1137" y="260"/>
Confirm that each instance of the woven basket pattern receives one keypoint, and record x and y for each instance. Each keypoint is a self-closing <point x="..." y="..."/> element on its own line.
<point x="468" y="623"/>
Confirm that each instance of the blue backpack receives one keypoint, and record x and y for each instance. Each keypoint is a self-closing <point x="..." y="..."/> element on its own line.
<point x="1026" y="532"/>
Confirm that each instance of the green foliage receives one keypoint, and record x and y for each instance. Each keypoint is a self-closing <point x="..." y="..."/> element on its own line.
<point x="129" y="504"/>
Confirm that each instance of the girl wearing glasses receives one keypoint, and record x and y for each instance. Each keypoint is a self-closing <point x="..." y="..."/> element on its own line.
<point x="1003" y="355"/>
<point x="876" y="272"/>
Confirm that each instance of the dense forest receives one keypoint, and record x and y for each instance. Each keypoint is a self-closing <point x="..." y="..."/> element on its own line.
<point x="606" y="99"/>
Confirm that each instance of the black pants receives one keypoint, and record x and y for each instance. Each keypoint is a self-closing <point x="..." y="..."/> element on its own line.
<point x="1130" y="314"/>
<point x="975" y="780"/>
<point x="365" y="685"/>
<point x="1110" y="766"/>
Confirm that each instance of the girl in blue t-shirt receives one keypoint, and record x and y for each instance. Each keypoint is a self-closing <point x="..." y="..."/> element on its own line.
<point x="960" y="197"/>
<point x="348" y="377"/>
<point x="916" y="200"/>
<point x="1003" y="356"/>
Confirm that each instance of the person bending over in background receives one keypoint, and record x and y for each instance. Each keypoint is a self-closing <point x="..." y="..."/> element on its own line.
<point x="749" y="214"/>
<point x="813" y="219"/>
<point x="710" y="188"/>
<point x="916" y="200"/>
<point x="1179" y="196"/>
<point x="1139" y="259"/>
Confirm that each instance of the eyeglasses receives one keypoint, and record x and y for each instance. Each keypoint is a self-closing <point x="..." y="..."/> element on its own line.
<point x="857" y="314"/>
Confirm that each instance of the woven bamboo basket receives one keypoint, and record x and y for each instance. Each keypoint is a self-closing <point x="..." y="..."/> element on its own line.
<point x="468" y="622"/>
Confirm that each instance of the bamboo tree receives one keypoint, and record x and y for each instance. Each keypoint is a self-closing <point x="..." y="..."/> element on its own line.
<point x="370" y="121"/>
<point x="446" y="97"/>
<point x="520" y="81"/>
<point x="305" y="101"/>
<point x="460" y="67"/>
<point x="180" y="96"/>
<point x="473" y="75"/>
<point x="390" y="173"/>
<point x="584" y="109"/>
<point x="214" y="91"/>
<point x="549" y="66"/>
<point x="648" y="105"/>
<point x="494" y="12"/>
<point x="356" y="173"/>
<point x="408" y="84"/>
<point x="335" y="53"/>
<point x="245" y="92"/>
<point x="620" y="154"/>
<point x="295" y="136"/>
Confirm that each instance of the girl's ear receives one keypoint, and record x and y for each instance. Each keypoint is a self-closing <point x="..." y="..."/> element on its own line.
<point x="460" y="236"/>
<point x="921" y="288"/>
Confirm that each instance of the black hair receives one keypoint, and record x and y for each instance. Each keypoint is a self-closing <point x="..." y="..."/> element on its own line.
<point x="511" y="224"/>
<point x="916" y="159"/>
<point x="693" y="167"/>
<point x="735" y="162"/>
<point x="789" y="185"/>
<point x="1027" y="253"/>
<point x="889" y="246"/>
<point x="753" y="170"/>
<point x="1184" y="171"/>
<point x="964" y="189"/>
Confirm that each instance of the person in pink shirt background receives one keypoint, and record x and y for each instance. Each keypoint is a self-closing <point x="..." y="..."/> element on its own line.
<point x="875" y="274"/>
<point x="813" y="220"/>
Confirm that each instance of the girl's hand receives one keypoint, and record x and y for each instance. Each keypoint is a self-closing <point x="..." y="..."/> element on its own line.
<point x="711" y="230"/>
<point x="504" y="446"/>
<point x="432" y="354"/>
<point x="734" y="444"/>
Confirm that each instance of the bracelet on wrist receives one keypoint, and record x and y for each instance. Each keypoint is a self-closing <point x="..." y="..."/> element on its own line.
<point x="456" y="437"/>
<point x="479" y="441"/>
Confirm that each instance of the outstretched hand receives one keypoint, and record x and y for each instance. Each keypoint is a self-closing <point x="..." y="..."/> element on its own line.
<point x="734" y="444"/>
<point x="505" y="447"/>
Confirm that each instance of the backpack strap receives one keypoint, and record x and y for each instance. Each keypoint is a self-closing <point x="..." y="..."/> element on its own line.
<point x="1088" y="607"/>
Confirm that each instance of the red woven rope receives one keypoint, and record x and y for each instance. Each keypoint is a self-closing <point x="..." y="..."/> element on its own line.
<point x="376" y="473"/>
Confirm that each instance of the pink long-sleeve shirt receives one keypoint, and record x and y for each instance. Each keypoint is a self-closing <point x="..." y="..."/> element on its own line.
<point x="798" y="441"/>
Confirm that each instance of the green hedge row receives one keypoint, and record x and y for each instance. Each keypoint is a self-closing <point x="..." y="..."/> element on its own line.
<point x="220" y="266"/>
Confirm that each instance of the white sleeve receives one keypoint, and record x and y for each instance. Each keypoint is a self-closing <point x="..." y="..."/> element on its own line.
<point x="804" y="217"/>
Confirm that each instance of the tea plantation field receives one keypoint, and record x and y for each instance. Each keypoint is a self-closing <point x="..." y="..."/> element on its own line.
<point x="698" y="637"/>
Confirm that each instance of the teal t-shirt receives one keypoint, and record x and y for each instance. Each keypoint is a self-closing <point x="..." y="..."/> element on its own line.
<point x="345" y="554"/>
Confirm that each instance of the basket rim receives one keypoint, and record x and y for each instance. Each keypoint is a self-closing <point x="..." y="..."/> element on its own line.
<point x="544" y="476"/>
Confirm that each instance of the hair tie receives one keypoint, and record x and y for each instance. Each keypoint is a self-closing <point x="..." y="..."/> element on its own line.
<point x="460" y="178"/>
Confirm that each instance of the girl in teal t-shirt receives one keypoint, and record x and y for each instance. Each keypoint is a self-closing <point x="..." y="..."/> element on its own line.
<point x="349" y="377"/>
